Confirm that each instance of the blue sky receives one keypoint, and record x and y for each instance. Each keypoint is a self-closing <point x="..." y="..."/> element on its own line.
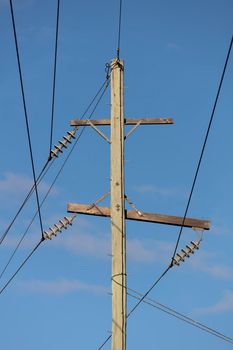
<point x="174" y="53"/>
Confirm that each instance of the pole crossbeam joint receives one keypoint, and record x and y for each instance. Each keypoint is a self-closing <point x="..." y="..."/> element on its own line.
<point x="117" y="211"/>
<point x="141" y="216"/>
<point x="127" y="121"/>
<point x="99" y="132"/>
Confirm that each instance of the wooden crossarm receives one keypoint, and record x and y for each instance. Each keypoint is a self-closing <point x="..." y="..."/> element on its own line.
<point x="128" y="121"/>
<point x="146" y="217"/>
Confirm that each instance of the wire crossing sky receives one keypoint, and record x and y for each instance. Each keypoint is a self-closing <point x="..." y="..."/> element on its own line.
<point x="26" y="114"/>
<point x="173" y="54"/>
<point x="54" y="77"/>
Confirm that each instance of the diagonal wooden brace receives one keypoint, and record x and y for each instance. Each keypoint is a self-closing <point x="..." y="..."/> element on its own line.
<point x="99" y="132"/>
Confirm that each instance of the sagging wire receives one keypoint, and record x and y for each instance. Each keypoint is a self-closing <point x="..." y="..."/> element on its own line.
<point x="28" y="196"/>
<point x="54" y="78"/>
<point x="119" y="30"/>
<point x="26" y="114"/>
<point x="52" y="231"/>
<point x="180" y="257"/>
<point x="103" y="87"/>
<point x="21" y="266"/>
<point x="203" y="147"/>
<point x="48" y="235"/>
<point x="179" y="315"/>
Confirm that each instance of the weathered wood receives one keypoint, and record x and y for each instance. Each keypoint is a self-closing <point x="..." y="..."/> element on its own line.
<point x="147" y="217"/>
<point x="99" y="132"/>
<point x="127" y="121"/>
<point x="118" y="208"/>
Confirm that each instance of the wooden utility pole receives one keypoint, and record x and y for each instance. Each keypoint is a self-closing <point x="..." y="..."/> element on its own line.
<point x="117" y="211"/>
<point x="118" y="207"/>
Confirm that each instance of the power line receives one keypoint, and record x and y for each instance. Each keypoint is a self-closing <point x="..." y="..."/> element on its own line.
<point x="140" y="300"/>
<point x="78" y="138"/>
<point x="148" y="291"/>
<point x="169" y="311"/>
<point x="26" y="115"/>
<point x="38" y="180"/>
<point x="180" y="316"/>
<point x="119" y="29"/>
<point x="20" y="267"/>
<point x="54" y="79"/>
<point x="105" y="342"/>
<point x="203" y="148"/>
<point x="43" y="173"/>
<point x="190" y="196"/>
<point x="104" y="85"/>
<point x="23" y="236"/>
<point x="168" y="268"/>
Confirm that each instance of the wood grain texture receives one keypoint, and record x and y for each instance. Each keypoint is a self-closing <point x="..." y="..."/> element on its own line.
<point x="127" y="121"/>
<point x="118" y="208"/>
<point x="146" y="217"/>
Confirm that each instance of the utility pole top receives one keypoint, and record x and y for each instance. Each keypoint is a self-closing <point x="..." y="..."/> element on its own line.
<point x="117" y="211"/>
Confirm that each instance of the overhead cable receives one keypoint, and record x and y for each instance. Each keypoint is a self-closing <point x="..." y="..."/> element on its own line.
<point x="54" y="154"/>
<point x="171" y="265"/>
<point x="24" y="235"/>
<point x="140" y="301"/>
<point x="119" y="30"/>
<point x="179" y="315"/>
<point x="42" y="173"/>
<point x="105" y="342"/>
<point x="103" y="87"/>
<point x="50" y="233"/>
<point x="20" y="267"/>
<point x="143" y="298"/>
<point x="28" y="196"/>
<point x="54" y="78"/>
<point x="203" y="147"/>
<point x="26" y="115"/>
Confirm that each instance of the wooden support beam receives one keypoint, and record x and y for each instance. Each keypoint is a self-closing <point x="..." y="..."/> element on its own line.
<point x="127" y="121"/>
<point x="118" y="207"/>
<point x="146" y="217"/>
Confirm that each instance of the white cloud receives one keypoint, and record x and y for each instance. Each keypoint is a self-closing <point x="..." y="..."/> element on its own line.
<point x="15" y="185"/>
<point x="221" y="230"/>
<point x="13" y="240"/>
<point x="204" y="262"/>
<point x="147" y="251"/>
<point x="137" y="251"/>
<point x="85" y="240"/>
<point x="60" y="287"/>
<point x="85" y="244"/>
<point x="99" y="246"/>
<point x="225" y="304"/>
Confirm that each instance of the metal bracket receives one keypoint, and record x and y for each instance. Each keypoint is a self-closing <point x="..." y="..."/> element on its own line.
<point x="133" y="206"/>
<point x="99" y="132"/>
<point x="133" y="129"/>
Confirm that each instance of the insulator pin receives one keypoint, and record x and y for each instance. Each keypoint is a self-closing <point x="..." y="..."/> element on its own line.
<point x="185" y="253"/>
<point x="52" y="231"/>
<point x="66" y="138"/>
<point x="63" y="143"/>
<point x="58" y="148"/>
<point x="71" y="134"/>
